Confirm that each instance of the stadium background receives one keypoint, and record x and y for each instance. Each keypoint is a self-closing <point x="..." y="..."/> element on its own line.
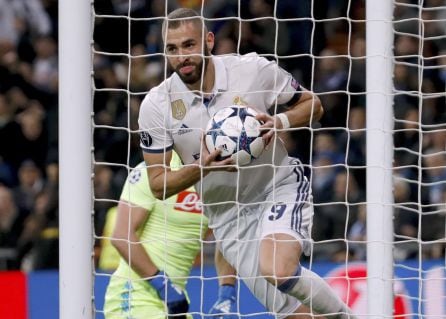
<point x="334" y="47"/>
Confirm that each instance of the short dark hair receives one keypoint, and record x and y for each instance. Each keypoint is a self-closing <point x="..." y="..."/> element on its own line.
<point x="180" y="16"/>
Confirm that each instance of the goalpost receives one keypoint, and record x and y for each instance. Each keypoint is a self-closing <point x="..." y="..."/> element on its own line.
<point x="379" y="70"/>
<point x="76" y="91"/>
<point x="75" y="160"/>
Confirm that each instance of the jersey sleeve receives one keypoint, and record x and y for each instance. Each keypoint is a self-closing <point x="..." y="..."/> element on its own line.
<point x="136" y="189"/>
<point x="155" y="137"/>
<point x="280" y="84"/>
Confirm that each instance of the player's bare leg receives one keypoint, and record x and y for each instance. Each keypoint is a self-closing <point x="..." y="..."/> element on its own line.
<point x="279" y="257"/>
<point x="280" y="264"/>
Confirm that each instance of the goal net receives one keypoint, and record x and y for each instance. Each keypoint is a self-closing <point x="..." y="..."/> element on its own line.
<point x="323" y="44"/>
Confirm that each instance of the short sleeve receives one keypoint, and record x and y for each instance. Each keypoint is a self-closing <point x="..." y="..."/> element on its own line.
<point x="136" y="189"/>
<point x="280" y="84"/>
<point x="155" y="137"/>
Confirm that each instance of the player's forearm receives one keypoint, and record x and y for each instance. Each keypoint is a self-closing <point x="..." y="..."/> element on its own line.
<point x="226" y="273"/>
<point x="136" y="256"/>
<point x="309" y="109"/>
<point x="168" y="183"/>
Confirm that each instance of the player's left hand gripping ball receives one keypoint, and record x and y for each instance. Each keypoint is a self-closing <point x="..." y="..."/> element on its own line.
<point x="174" y="297"/>
<point x="225" y="307"/>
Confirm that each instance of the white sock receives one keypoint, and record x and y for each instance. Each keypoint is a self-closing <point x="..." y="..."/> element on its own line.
<point x="315" y="293"/>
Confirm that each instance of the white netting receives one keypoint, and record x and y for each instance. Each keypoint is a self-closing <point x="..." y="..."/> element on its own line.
<point x="322" y="43"/>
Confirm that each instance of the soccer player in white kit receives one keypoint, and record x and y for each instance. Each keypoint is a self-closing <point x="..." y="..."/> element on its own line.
<point x="260" y="213"/>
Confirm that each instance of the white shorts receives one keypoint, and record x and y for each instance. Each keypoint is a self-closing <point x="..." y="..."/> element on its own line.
<point x="289" y="210"/>
<point x="285" y="209"/>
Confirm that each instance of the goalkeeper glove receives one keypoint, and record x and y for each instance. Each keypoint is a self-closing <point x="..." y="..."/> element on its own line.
<point x="172" y="295"/>
<point x="225" y="307"/>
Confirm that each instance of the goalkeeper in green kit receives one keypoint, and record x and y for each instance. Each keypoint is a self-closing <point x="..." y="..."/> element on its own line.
<point x="159" y="240"/>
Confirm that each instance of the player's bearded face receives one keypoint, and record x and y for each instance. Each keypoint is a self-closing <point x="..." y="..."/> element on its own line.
<point x="191" y="69"/>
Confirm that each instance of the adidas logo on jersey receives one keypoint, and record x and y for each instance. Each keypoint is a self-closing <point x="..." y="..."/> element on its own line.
<point x="184" y="129"/>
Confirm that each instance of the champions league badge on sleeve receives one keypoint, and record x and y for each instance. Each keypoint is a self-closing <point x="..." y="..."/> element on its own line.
<point x="294" y="83"/>
<point x="135" y="176"/>
<point x="146" y="139"/>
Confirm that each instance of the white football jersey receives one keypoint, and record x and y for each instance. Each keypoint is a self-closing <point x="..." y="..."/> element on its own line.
<point x="173" y="117"/>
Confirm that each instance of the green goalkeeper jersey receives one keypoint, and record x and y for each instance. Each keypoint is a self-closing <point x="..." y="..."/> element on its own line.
<point x="173" y="230"/>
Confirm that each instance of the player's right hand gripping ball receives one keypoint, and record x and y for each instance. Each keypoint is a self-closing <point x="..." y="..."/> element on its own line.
<point x="173" y="296"/>
<point x="235" y="131"/>
<point x="226" y="306"/>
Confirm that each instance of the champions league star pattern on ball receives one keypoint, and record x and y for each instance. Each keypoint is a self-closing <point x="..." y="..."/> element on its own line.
<point x="235" y="131"/>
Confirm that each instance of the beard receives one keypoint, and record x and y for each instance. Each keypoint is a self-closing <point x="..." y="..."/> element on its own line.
<point x="200" y="68"/>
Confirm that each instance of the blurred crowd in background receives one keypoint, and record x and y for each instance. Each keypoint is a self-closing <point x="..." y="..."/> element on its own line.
<point x="322" y="43"/>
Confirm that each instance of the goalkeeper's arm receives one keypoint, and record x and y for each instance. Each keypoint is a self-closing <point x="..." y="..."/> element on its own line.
<point x="126" y="240"/>
<point x="226" y="304"/>
<point x="129" y="219"/>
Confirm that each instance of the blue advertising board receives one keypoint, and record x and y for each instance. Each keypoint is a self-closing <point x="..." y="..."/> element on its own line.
<point x="419" y="289"/>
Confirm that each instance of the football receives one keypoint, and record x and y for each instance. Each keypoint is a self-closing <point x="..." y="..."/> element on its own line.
<point x="236" y="131"/>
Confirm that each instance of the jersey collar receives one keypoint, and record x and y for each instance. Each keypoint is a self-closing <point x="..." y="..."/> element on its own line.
<point x="181" y="91"/>
<point x="221" y="78"/>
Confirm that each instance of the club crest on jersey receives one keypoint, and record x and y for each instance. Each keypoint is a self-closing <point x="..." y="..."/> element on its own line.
<point x="178" y="109"/>
<point x="239" y="101"/>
